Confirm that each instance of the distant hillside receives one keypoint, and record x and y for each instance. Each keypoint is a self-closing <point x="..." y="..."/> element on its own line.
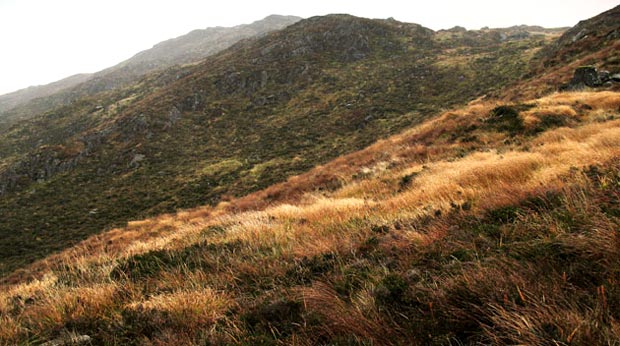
<point x="241" y="120"/>
<point x="188" y="48"/>
<point x="199" y="44"/>
<point x="11" y="100"/>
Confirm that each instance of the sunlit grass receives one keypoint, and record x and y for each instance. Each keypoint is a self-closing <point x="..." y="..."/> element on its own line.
<point x="412" y="215"/>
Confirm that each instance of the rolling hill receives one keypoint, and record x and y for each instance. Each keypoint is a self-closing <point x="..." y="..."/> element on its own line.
<point x="355" y="190"/>
<point x="241" y="120"/>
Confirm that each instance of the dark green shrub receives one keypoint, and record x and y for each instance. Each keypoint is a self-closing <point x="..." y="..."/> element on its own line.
<point x="506" y="118"/>
<point x="503" y="215"/>
<point x="380" y="229"/>
<point x="192" y="257"/>
<point x="276" y="319"/>
<point x="406" y="180"/>
<point x="308" y="269"/>
<point x="392" y="291"/>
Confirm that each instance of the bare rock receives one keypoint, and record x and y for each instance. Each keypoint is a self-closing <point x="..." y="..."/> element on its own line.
<point x="135" y="162"/>
<point x="586" y="75"/>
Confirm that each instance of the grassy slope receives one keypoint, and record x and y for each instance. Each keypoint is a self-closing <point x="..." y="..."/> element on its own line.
<point x="238" y="132"/>
<point x="494" y="224"/>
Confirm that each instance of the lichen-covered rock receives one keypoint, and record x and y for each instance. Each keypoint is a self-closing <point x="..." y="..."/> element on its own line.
<point x="589" y="76"/>
<point x="174" y="115"/>
<point x="137" y="158"/>
<point x="39" y="166"/>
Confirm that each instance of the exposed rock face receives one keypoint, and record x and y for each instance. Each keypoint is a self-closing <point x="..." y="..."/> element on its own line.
<point x="586" y="75"/>
<point x="37" y="167"/>
<point x="604" y="76"/>
<point x="343" y="37"/>
<point x="589" y="76"/>
<point x="174" y="115"/>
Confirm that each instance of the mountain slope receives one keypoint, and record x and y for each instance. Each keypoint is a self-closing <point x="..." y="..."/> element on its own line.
<point x="457" y="229"/>
<point x="12" y="100"/>
<point x="492" y="223"/>
<point x="587" y="36"/>
<point x="189" y="48"/>
<point x="592" y="42"/>
<point x="246" y="118"/>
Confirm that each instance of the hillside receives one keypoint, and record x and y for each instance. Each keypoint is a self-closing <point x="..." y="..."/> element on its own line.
<point x="489" y="224"/>
<point x="492" y="222"/>
<point x="13" y="99"/>
<point x="243" y="119"/>
<point x="186" y="49"/>
<point x="584" y="38"/>
<point x="592" y="42"/>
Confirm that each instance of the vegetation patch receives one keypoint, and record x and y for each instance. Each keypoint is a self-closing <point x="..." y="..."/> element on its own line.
<point x="307" y="269"/>
<point x="198" y="256"/>
<point x="275" y="319"/>
<point x="507" y="119"/>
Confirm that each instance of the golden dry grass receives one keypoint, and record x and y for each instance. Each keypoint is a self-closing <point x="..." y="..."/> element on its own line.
<point x="441" y="182"/>
<point x="344" y="318"/>
<point x="190" y="308"/>
<point x="253" y="244"/>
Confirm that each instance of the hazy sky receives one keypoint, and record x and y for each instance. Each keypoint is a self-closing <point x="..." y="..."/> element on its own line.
<point x="42" y="41"/>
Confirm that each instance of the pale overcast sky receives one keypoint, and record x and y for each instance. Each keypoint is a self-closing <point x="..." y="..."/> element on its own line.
<point x="46" y="40"/>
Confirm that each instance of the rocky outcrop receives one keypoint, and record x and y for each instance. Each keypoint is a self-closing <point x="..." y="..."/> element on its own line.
<point x="584" y="38"/>
<point x="343" y="37"/>
<point x="586" y="76"/>
<point x="135" y="162"/>
<point x="48" y="161"/>
<point x="590" y="76"/>
<point x="38" y="166"/>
